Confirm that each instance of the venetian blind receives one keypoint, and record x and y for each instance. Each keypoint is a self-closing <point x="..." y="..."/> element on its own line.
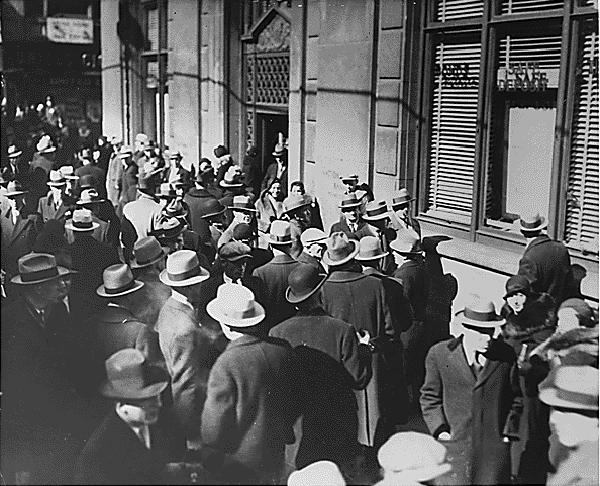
<point x="582" y="210"/>
<point x="453" y="128"/>
<point x="543" y="50"/>
<point x="525" y="6"/>
<point x="448" y="10"/>
<point x="152" y="29"/>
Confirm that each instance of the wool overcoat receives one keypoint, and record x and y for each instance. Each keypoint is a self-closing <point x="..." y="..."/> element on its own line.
<point x="304" y="257"/>
<point x="477" y="410"/>
<point x="198" y="201"/>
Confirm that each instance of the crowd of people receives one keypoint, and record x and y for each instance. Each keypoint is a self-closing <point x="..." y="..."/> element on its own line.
<point x="165" y="321"/>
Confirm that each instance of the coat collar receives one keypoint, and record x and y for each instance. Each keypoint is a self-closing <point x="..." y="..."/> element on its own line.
<point x="282" y="260"/>
<point x="538" y="241"/>
<point x="459" y="360"/>
<point x="345" y="276"/>
<point x="245" y="340"/>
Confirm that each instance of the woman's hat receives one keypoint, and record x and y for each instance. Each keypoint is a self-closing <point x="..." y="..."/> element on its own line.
<point x="213" y="208"/>
<point x="166" y="191"/>
<point x="517" y="284"/>
<point x="130" y="377"/>
<point x="376" y="210"/>
<point x="56" y="179"/>
<point x="35" y="268"/>
<point x="242" y="203"/>
<point x="183" y="269"/>
<point x="349" y="201"/>
<point x="403" y="197"/>
<point x="407" y="242"/>
<point x="45" y="145"/>
<point x="280" y="233"/>
<point x="13" y="152"/>
<point x="68" y="172"/>
<point x="220" y="151"/>
<point x="235" y="306"/>
<point x="573" y="387"/>
<point x="480" y="313"/>
<point x="89" y="196"/>
<point x="295" y="201"/>
<point x="231" y="178"/>
<point x="320" y="473"/>
<point x="340" y="249"/>
<point x="146" y="251"/>
<point x="370" y="249"/>
<point x="303" y="282"/>
<point x="532" y="222"/>
<point x="81" y="221"/>
<point x="418" y="457"/>
<point x="312" y="235"/>
<point x="14" y="188"/>
<point x="118" y="280"/>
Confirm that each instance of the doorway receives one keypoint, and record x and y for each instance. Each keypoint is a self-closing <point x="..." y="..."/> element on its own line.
<point x="268" y="128"/>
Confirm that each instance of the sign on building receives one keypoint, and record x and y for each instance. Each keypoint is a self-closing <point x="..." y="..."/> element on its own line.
<point x="70" y="31"/>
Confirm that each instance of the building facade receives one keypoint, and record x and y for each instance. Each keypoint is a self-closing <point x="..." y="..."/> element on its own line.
<point x="484" y="110"/>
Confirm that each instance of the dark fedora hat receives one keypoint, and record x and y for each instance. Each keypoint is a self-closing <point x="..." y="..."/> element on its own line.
<point x="295" y="201"/>
<point x="220" y="151"/>
<point x="169" y="229"/>
<point x="303" y="282"/>
<point x="146" y="252"/>
<point x="213" y="208"/>
<point x="88" y="182"/>
<point x="35" y="268"/>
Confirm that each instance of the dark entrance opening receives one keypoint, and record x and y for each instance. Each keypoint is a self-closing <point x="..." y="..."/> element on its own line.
<point x="267" y="134"/>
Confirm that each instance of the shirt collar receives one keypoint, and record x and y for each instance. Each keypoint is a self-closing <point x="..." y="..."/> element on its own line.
<point x="181" y="299"/>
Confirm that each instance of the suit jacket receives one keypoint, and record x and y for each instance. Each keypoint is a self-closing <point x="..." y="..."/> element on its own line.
<point x="141" y="214"/>
<point x="304" y="257"/>
<point x="115" y="455"/>
<point x="477" y="410"/>
<point x="189" y="355"/>
<point x="48" y="210"/>
<point x="547" y="265"/>
<point x="363" y="229"/>
<point x="274" y="276"/>
<point x="198" y="201"/>
<point x="17" y="239"/>
<point x="251" y="428"/>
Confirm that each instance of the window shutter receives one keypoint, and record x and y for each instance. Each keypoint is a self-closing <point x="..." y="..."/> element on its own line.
<point x="582" y="205"/>
<point x="152" y="29"/>
<point x="524" y="6"/>
<point x="448" y="10"/>
<point x="453" y="129"/>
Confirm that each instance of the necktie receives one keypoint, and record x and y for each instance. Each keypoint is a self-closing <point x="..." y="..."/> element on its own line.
<point x="477" y="366"/>
<point x="144" y="434"/>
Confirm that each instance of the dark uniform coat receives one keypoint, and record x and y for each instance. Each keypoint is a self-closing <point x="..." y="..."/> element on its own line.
<point x="248" y="414"/>
<point x="547" y="265"/>
<point x="333" y="364"/>
<point x="360" y="301"/>
<point x="115" y="455"/>
<point x="274" y="276"/>
<point x="477" y="410"/>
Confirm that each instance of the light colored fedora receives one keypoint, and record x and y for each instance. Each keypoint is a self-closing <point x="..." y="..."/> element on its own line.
<point x="407" y="242"/>
<point x="81" y="221"/>
<point x="56" y="179"/>
<point x="349" y="201"/>
<point x="479" y="312"/>
<point x="376" y="210"/>
<point x="403" y="197"/>
<point x="13" y="152"/>
<point x="14" y="188"/>
<point x="130" y="377"/>
<point x="532" y="222"/>
<point x="279" y="150"/>
<point x="146" y="251"/>
<point x="413" y="456"/>
<point x="573" y="387"/>
<point x="183" y="269"/>
<point x="125" y="151"/>
<point x="280" y="233"/>
<point x="166" y="191"/>
<point x="303" y="282"/>
<point x="235" y="306"/>
<point x="242" y="203"/>
<point x="340" y="249"/>
<point x="231" y="178"/>
<point x="118" y="280"/>
<point x="312" y="235"/>
<point x="295" y="201"/>
<point x="320" y="473"/>
<point x="68" y="172"/>
<point x="45" y="145"/>
<point x="89" y="196"/>
<point x="370" y="249"/>
<point x="175" y="155"/>
<point x="349" y="177"/>
<point x="35" y="268"/>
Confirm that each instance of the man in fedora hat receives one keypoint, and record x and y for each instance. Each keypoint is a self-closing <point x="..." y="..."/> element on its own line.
<point x="141" y="145"/>
<point x="546" y="263"/>
<point x="135" y="441"/>
<point x="232" y="186"/>
<point x="224" y="161"/>
<point x="176" y="172"/>
<point x="243" y="212"/>
<point x="362" y="191"/>
<point x="277" y="170"/>
<point x="143" y="211"/>
<point x="104" y="214"/>
<point x="274" y="274"/>
<point x="129" y="179"/>
<point x="200" y="197"/>
<point x="248" y="430"/>
<point x="298" y="210"/>
<point x="332" y="366"/>
<point x="313" y="246"/>
<point x="41" y="413"/>
<point x="351" y="222"/>
<point x="471" y="397"/>
<point x="361" y="301"/>
<point x="378" y="217"/>
<point x="572" y="393"/>
<point x="56" y="205"/>
<point x="68" y="172"/>
<point x="18" y="166"/>
<point x="185" y="342"/>
<point x="403" y="218"/>
<point x="244" y="233"/>
<point x="89" y="167"/>
<point x="44" y="157"/>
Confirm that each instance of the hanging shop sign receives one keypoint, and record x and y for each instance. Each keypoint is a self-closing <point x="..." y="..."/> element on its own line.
<point x="70" y="31"/>
<point x="526" y="76"/>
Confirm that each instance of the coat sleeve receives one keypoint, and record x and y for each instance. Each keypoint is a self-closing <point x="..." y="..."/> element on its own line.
<point x="511" y="427"/>
<point x="432" y="398"/>
<point x="528" y="268"/>
<point x="357" y="362"/>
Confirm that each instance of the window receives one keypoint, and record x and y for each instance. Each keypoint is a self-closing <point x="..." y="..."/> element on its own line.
<point x="526" y="6"/>
<point x="448" y="10"/>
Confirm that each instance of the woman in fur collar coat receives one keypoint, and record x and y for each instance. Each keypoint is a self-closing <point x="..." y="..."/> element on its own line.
<point x="530" y="320"/>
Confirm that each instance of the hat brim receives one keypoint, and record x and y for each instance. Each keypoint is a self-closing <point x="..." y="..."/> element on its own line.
<point x="277" y="154"/>
<point x="350" y="206"/>
<point x="108" y="390"/>
<point x="376" y="217"/>
<point x="48" y="150"/>
<point x="516" y="291"/>
<point x="15" y="154"/>
<point x="298" y="298"/>
<point x="549" y="397"/>
<point x="56" y="184"/>
<point x="72" y="177"/>
<point x="164" y="278"/>
<point x="225" y="184"/>
<point x="398" y="204"/>
<point x="134" y="264"/>
<point x="101" y="291"/>
<point x="62" y="271"/>
<point x="215" y="311"/>
<point x="244" y="210"/>
<point x="14" y="193"/>
<point x="346" y="178"/>
<point x="426" y="473"/>
<point x="287" y="211"/>
<point x="543" y="224"/>
<point x="210" y="215"/>
<point x="73" y="228"/>
<point x="497" y="322"/>
<point x="366" y="259"/>
<point x="280" y="243"/>
<point x="85" y="203"/>
<point x="352" y="255"/>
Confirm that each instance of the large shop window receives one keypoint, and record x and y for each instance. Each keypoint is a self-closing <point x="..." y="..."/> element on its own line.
<point x="522" y="131"/>
<point x="582" y="227"/>
<point x="453" y="130"/>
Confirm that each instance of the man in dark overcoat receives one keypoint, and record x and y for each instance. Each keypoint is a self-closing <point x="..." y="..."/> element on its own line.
<point x="360" y="301"/>
<point x="546" y="263"/>
<point x="249" y="429"/>
<point x="56" y="205"/>
<point x="198" y="199"/>
<point x="333" y="364"/>
<point x="274" y="275"/>
<point x="471" y="398"/>
<point x="351" y="222"/>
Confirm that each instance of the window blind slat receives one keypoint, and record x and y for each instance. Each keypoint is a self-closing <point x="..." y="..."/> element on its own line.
<point x="522" y="6"/>
<point x="458" y="9"/>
